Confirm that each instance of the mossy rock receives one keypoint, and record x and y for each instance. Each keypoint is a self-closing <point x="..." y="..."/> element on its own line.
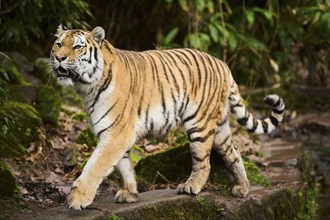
<point x="43" y="71"/>
<point x="174" y="165"/>
<point x="49" y="104"/>
<point x="8" y="185"/>
<point x="87" y="137"/>
<point x="23" y="93"/>
<point x="18" y="126"/>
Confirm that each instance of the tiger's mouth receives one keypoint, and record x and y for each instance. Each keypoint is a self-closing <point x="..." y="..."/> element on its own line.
<point x="61" y="72"/>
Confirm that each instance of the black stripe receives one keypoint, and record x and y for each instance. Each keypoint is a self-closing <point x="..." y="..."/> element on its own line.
<point x="235" y="161"/>
<point x="273" y="120"/>
<point x="196" y="158"/>
<point x="196" y="129"/>
<point x="103" y="130"/>
<point x="147" y="117"/>
<point x="151" y="126"/>
<point x="95" y="53"/>
<point x="193" y="53"/>
<point x="90" y="55"/>
<point x="163" y="100"/>
<point x="278" y="111"/>
<point x="190" y="117"/>
<point x="254" y="127"/>
<point x="223" y="122"/>
<point x="106" y="113"/>
<point x="243" y="121"/>
<point x="163" y="65"/>
<point x="277" y="103"/>
<point x="270" y="101"/>
<point x="126" y="155"/>
<point x="224" y="141"/>
<point x="106" y="45"/>
<point x="235" y="106"/>
<point x="185" y="55"/>
<point x="203" y="139"/>
<point x="128" y="68"/>
<point x="176" y="85"/>
<point x="264" y="126"/>
<point x="102" y="88"/>
<point x="155" y="71"/>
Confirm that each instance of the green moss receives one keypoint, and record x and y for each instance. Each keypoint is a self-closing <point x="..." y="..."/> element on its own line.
<point x="307" y="195"/>
<point x="191" y="209"/>
<point x="7" y="181"/>
<point x="307" y="204"/>
<point x="136" y="154"/>
<point x="80" y="116"/>
<point x="74" y="115"/>
<point x="18" y="126"/>
<point x="15" y="76"/>
<point x="114" y="217"/>
<point x="70" y="97"/>
<point x="49" y="104"/>
<point x="173" y="164"/>
<point x="87" y="137"/>
<point x="254" y="174"/>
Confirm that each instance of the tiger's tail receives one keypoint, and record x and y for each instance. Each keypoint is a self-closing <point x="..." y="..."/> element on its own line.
<point x="246" y="119"/>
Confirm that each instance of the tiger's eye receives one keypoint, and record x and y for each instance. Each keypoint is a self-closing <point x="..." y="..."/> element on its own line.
<point x="77" y="47"/>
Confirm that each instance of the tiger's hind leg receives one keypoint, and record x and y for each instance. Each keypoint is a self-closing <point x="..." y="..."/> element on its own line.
<point x="224" y="145"/>
<point x="200" y="148"/>
<point x="128" y="193"/>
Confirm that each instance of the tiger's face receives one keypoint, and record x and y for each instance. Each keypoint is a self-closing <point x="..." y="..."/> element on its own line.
<point x="76" y="57"/>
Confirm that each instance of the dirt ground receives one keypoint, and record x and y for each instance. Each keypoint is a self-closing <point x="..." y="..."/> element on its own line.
<point x="46" y="173"/>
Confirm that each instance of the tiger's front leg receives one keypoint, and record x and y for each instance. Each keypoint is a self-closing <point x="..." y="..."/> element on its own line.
<point x="128" y="192"/>
<point x="110" y="149"/>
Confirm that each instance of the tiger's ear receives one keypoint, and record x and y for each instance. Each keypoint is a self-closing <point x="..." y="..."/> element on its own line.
<point x="60" y="30"/>
<point x="98" y="34"/>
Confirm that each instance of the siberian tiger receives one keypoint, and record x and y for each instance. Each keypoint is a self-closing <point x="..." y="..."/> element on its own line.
<point x="129" y="95"/>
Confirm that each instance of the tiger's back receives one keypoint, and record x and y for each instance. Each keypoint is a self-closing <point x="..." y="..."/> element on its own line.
<point x="171" y="89"/>
<point x="129" y="95"/>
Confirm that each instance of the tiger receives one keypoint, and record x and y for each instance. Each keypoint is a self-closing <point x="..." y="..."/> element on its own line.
<point x="129" y="95"/>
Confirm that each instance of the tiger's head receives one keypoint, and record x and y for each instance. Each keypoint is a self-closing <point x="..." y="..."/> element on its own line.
<point x="76" y="57"/>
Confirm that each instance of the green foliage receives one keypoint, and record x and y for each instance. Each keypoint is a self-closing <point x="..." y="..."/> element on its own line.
<point x="49" y="104"/>
<point x="87" y="137"/>
<point x="24" y="21"/>
<point x="254" y="175"/>
<point x="136" y="154"/>
<point x="18" y="126"/>
<point x="7" y="181"/>
<point x="4" y="78"/>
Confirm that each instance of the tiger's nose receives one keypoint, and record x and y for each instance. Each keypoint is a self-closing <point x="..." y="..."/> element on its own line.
<point x="61" y="58"/>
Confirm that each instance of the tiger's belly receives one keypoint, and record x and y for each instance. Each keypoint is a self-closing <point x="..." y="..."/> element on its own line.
<point x="155" y="121"/>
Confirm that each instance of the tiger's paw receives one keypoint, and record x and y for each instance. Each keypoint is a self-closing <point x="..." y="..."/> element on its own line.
<point x="80" y="196"/>
<point x="188" y="188"/>
<point x="240" y="191"/>
<point x="123" y="195"/>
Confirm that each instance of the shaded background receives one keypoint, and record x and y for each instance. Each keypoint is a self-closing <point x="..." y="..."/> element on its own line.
<point x="264" y="42"/>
